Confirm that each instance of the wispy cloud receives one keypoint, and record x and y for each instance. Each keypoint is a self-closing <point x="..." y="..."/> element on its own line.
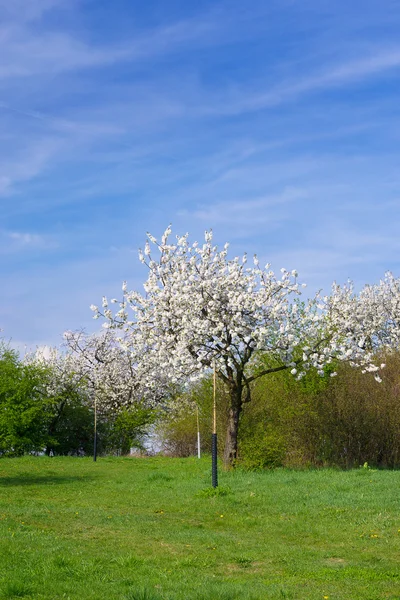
<point x="377" y="61"/>
<point x="264" y="212"/>
<point x="27" y="51"/>
<point x="29" y="10"/>
<point x="16" y="242"/>
<point x="27" y="239"/>
<point x="25" y="164"/>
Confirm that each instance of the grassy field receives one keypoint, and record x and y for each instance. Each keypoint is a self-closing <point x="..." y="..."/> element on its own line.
<point x="147" y="529"/>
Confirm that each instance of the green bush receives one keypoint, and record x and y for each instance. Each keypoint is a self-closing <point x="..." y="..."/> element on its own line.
<point x="25" y="410"/>
<point x="265" y="449"/>
<point x="343" y="421"/>
<point x="126" y="429"/>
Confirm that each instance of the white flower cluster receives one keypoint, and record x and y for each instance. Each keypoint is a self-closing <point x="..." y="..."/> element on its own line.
<point x="201" y="308"/>
<point x="61" y="369"/>
<point x="113" y="371"/>
<point x="360" y="326"/>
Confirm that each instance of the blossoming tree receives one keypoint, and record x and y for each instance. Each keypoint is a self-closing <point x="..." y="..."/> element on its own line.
<point x="202" y="310"/>
<point x="112" y="371"/>
<point x="107" y="376"/>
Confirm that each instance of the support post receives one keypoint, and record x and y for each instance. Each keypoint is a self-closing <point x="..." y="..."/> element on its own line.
<point x="214" y="446"/>
<point x="198" y="433"/>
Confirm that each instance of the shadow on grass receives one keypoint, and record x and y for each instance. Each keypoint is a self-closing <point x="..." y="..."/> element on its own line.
<point x="50" y="479"/>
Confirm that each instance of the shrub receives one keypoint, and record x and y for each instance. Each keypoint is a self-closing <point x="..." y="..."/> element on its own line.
<point x="343" y="421"/>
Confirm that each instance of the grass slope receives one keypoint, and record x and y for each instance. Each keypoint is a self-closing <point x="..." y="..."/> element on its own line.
<point x="147" y="529"/>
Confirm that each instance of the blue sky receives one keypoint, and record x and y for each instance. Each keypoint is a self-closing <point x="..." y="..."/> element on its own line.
<point x="276" y="124"/>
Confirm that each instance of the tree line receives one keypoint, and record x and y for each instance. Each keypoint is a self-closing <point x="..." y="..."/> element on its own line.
<point x="38" y="417"/>
<point x="204" y="312"/>
<point x="347" y="421"/>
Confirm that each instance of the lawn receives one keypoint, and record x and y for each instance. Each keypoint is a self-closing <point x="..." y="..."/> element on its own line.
<point x="150" y="528"/>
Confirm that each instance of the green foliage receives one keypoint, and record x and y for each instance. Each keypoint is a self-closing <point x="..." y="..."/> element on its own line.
<point x="25" y="411"/>
<point x="359" y="419"/>
<point x="340" y="421"/>
<point x="343" y="421"/>
<point x="264" y="449"/>
<point x="277" y="426"/>
<point x="117" y="432"/>
<point x="126" y="429"/>
<point x="32" y="421"/>
<point x="71" y="426"/>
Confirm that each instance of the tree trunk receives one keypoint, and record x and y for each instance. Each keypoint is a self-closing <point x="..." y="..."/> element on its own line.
<point x="53" y="425"/>
<point x="231" y="441"/>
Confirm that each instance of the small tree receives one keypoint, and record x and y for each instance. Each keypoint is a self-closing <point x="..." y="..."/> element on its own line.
<point x="202" y="310"/>
<point x="113" y="371"/>
<point x="68" y="390"/>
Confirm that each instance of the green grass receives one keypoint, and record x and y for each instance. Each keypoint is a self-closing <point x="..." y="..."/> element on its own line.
<point x="153" y="529"/>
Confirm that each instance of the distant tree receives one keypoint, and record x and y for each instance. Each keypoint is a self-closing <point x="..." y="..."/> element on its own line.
<point x="69" y="425"/>
<point x="91" y="373"/>
<point x="115" y="376"/>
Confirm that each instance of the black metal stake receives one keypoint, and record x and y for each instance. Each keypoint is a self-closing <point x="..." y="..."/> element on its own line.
<point x="214" y="459"/>
<point x="95" y="447"/>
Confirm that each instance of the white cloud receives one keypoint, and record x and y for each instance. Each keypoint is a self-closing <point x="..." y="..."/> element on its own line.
<point x="26" y="239"/>
<point x="12" y="242"/>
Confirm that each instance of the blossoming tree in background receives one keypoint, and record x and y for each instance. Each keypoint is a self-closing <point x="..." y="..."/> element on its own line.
<point x="119" y="390"/>
<point x="113" y="372"/>
<point x="62" y="375"/>
<point x="386" y="298"/>
<point x="100" y="374"/>
<point x="202" y="310"/>
<point x="61" y="382"/>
